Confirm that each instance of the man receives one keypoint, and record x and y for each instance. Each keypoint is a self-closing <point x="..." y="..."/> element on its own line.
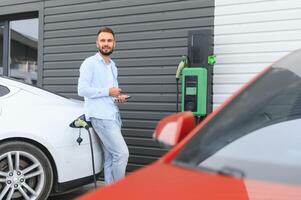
<point x="98" y="84"/>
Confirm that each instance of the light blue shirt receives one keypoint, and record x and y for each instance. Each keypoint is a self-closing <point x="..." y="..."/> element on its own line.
<point x="95" y="79"/>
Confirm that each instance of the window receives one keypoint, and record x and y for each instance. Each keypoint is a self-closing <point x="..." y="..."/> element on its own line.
<point x="23" y="50"/>
<point x="19" y="47"/>
<point x="1" y="48"/>
<point x="271" y="153"/>
<point x="3" y="90"/>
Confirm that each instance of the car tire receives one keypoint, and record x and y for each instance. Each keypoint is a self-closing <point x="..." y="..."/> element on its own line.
<point x="25" y="172"/>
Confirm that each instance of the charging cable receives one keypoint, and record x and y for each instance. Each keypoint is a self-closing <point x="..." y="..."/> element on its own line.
<point x="80" y="122"/>
<point x="181" y="66"/>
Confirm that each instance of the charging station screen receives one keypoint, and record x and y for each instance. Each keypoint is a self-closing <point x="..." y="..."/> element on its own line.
<point x="191" y="91"/>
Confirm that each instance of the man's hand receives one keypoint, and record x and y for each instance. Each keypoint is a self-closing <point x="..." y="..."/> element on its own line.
<point x="114" y="92"/>
<point x="121" y="98"/>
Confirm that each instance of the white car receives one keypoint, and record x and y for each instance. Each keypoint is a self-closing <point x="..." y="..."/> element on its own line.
<point x="39" y="152"/>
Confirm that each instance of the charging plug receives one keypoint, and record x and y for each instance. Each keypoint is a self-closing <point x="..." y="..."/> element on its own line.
<point x="79" y="140"/>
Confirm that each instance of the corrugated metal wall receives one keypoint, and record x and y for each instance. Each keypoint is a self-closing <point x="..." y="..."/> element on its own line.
<point x="151" y="37"/>
<point x="250" y="35"/>
<point x="16" y="6"/>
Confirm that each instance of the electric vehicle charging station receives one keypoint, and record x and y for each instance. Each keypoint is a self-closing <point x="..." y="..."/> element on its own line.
<point x="197" y="73"/>
<point x="194" y="90"/>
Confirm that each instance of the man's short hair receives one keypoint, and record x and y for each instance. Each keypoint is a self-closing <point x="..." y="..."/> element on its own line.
<point x="107" y="30"/>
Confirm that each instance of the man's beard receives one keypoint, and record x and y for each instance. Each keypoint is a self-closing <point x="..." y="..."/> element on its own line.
<point x="105" y="53"/>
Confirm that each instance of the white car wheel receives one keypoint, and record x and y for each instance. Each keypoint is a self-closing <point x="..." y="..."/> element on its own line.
<point x="25" y="172"/>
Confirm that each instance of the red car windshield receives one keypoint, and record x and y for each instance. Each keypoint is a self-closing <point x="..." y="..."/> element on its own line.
<point x="257" y="133"/>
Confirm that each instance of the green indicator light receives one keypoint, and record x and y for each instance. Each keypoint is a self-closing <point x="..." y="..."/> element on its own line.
<point x="211" y="59"/>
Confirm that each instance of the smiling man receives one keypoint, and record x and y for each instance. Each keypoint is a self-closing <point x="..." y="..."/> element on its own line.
<point x="98" y="84"/>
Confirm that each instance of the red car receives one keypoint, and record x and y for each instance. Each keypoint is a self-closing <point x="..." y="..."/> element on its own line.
<point x="249" y="148"/>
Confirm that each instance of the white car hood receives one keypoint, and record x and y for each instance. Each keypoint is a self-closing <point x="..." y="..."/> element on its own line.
<point x="46" y="95"/>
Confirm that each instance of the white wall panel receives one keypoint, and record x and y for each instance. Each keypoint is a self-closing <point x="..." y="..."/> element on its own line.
<point x="238" y="69"/>
<point x="249" y="36"/>
<point x="257" y="37"/>
<point x="230" y="7"/>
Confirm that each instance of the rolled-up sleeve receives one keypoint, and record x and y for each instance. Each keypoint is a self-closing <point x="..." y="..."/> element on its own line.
<point x="85" y="88"/>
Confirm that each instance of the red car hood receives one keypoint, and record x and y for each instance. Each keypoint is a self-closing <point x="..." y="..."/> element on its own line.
<point x="163" y="181"/>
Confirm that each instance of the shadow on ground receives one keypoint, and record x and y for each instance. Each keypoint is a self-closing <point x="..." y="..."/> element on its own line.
<point x="73" y="194"/>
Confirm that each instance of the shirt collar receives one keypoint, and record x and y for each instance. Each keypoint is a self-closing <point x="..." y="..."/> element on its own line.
<point x="100" y="58"/>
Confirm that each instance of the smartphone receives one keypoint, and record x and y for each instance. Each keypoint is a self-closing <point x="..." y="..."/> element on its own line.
<point x="126" y="98"/>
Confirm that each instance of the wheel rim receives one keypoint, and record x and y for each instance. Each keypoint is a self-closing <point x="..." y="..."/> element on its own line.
<point x="21" y="176"/>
